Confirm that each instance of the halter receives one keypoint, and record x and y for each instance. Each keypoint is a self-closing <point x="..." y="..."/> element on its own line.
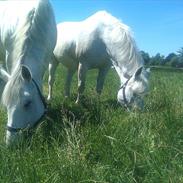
<point x="123" y="87"/>
<point x="15" y="130"/>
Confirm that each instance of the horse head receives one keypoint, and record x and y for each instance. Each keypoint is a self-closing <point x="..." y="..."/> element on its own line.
<point x="131" y="93"/>
<point x="24" y="103"/>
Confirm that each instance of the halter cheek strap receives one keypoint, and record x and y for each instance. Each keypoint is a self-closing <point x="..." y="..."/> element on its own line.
<point x="15" y="130"/>
<point x="41" y="95"/>
<point x="125" y="101"/>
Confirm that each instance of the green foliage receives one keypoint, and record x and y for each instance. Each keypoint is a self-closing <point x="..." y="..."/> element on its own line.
<point x="172" y="60"/>
<point x="98" y="141"/>
<point x="180" y="52"/>
<point x="158" y="59"/>
<point x="146" y="57"/>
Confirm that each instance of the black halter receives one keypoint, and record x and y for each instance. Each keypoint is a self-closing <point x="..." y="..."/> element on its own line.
<point x="123" y="87"/>
<point x="15" y="130"/>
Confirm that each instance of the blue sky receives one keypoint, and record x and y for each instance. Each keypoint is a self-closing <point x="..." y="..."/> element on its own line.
<point x="157" y="24"/>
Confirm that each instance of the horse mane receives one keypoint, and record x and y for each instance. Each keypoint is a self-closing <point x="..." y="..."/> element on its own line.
<point x="26" y="35"/>
<point x="119" y="41"/>
<point x="28" y="32"/>
<point x="120" y="44"/>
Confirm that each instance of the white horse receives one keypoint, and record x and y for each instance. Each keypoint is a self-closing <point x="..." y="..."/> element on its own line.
<point x="27" y="39"/>
<point x="99" y="42"/>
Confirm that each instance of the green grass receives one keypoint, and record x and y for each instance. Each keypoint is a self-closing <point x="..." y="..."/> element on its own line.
<point x="98" y="141"/>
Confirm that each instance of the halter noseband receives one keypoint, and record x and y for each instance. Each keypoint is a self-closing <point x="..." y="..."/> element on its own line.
<point x="15" y="130"/>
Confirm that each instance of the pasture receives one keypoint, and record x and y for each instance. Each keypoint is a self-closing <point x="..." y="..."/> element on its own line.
<point x="97" y="141"/>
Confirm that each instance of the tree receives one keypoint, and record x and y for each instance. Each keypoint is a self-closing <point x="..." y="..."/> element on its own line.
<point x="169" y="58"/>
<point x="180" y="52"/>
<point x="173" y="61"/>
<point x="180" y="57"/>
<point x="158" y="59"/>
<point x="146" y="57"/>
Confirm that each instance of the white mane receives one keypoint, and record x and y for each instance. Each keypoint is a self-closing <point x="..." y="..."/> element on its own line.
<point x="27" y="44"/>
<point x="120" y="44"/>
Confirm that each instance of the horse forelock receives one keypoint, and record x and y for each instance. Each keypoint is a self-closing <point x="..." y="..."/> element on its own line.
<point x="12" y="88"/>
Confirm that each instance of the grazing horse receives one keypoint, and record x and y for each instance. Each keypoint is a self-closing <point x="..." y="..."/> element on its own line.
<point x="100" y="41"/>
<point x="27" y="39"/>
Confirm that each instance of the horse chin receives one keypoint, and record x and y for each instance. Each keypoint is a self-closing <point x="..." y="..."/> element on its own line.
<point x="138" y="104"/>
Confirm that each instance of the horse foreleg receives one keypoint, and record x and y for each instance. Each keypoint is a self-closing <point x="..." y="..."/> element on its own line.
<point x="52" y="68"/>
<point x="70" y="73"/>
<point x="82" y="69"/>
<point x="101" y="78"/>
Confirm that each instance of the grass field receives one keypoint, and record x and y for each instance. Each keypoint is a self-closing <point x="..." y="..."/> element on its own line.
<point x="98" y="141"/>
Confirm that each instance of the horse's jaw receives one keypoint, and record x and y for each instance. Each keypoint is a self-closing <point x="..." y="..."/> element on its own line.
<point x="20" y="122"/>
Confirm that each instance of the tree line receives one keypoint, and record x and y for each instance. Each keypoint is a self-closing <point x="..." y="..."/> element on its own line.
<point x="172" y="60"/>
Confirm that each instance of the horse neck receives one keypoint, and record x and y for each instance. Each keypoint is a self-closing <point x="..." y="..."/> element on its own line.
<point x="122" y="49"/>
<point x="122" y="76"/>
<point x="125" y="60"/>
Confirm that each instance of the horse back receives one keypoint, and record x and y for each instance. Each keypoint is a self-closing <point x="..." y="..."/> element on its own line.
<point x="80" y="42"/>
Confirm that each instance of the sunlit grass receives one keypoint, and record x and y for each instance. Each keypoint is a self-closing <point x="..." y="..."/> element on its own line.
<point x="98" y="141"/>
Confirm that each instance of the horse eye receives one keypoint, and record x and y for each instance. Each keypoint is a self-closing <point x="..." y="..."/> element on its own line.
<point x="27" y="104"/>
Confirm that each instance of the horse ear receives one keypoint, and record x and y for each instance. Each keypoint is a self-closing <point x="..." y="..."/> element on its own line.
<point x="138" y="72"/>
<point x="26" y="74"/>
<point x="4" y="75"/>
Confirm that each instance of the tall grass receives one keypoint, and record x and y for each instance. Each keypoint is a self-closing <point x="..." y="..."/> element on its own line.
<point x="98" y="141"/>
